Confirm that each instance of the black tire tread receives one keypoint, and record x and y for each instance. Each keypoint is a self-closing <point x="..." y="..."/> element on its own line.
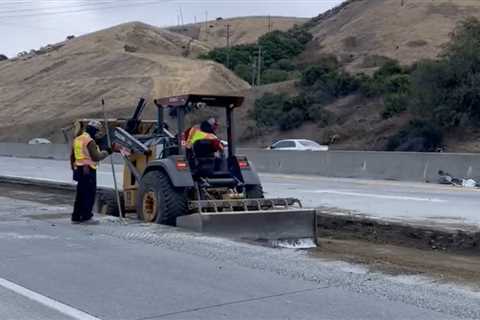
<point x="175" y="202"/>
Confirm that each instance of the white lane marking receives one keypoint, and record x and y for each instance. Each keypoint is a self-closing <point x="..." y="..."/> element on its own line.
<point x="377" y="196"/>
<point x="53" y="304"/>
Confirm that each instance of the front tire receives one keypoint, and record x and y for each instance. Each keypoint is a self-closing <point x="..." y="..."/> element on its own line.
<point x="159" y="201"/>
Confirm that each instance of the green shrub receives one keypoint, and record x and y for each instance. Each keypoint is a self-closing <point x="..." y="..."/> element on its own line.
<point x="268" y="109"/>
<point x="278" y="45"/>
<point x="291" y="119"/>
<point x="273" y="75"/>
<point x="301" y="34"/>
<point x="418" y="136"/>
<point x="368" y="86"/>
<point x="279" y="110"/>
<point x="390" y="68"/>
<point x="395" y="103"/>
<point x="448" y="90"/>
<point x="278" y="49"/>
<point x="244" y="71"/>
<point x="312" y="73"/>
<point x="336" y="84"/>
<point x="284" y="64"/>
<point x="318" y="114"/>
<point x="391" y="78"/>
<point x="241" y="54"/>
<point x="397" y="83"/>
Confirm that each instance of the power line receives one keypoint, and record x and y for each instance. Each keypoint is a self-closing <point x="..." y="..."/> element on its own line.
<point x="145" y="3"/>
<point x="54" y="7"/>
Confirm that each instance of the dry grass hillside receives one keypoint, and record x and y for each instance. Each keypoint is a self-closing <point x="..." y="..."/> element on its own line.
<point x="41" y="93"/>
<point x="243" y="30"/>
<point x="362" y="31"/>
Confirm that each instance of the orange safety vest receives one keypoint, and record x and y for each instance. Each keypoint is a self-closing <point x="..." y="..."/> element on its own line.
<point x="80" y="151"/>
<point x="196" y="134"/>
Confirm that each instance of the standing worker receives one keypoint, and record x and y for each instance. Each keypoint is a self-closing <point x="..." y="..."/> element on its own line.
<point x="84" y="157"/>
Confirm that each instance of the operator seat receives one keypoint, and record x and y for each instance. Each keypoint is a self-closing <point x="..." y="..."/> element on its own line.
<point x="203" y="158"/>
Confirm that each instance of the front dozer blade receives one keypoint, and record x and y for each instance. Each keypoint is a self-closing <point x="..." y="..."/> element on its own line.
<point x="240" y="219"/>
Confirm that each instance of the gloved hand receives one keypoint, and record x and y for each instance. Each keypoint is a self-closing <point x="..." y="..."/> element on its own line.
<point x="116" y="147"/>
<point x="109" y="150"/>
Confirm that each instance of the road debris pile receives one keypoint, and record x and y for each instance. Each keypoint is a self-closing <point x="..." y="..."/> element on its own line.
<point x="448" y="179"/>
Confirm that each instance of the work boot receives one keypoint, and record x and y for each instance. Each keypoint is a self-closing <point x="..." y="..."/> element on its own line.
<point x="91" y="221"/>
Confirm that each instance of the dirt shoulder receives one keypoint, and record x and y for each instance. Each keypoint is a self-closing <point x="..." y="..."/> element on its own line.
<point x="396" y="260"/>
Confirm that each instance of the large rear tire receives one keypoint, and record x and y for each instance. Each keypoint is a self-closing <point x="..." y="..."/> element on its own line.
<point x="254" y="192"/>
<point x="159" y="201"/>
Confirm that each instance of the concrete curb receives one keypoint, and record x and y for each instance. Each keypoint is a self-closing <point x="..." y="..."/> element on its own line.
<point x="42" y="183"/>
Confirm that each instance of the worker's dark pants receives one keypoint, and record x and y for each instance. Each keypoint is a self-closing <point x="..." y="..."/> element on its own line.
<point x="85" y="197"/>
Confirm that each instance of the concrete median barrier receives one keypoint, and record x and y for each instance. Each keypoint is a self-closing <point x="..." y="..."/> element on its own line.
<point x="400" y="166"/>
<point x="41" y="151"/>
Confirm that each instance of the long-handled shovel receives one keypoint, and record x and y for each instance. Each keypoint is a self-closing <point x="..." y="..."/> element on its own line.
<point x="117" y="193"/>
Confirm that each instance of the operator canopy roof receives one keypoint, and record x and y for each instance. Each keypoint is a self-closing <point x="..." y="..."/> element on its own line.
<point x="201" y="100"/>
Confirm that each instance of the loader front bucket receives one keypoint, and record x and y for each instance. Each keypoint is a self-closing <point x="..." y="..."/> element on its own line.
<point x="270" y="219"/>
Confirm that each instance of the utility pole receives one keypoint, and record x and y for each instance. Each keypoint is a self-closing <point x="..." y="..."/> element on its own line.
<point x="254" y="71"/>
<point x="269" y="24"/>
<point x="228" y="46"/>
<point x="181" y="15"/>
<point x="206" y="21"/>
<point x="259" y="67"/>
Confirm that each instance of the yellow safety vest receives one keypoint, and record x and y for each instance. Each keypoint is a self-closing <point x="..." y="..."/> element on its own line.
<point x="80" y="150"/>
<point x="196" y="134"/>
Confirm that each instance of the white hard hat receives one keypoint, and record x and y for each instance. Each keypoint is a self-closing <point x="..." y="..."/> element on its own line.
<point x="95" y="124"/>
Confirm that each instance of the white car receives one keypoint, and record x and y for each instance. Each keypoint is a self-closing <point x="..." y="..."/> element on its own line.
<point x="39" y="141"/>
<point x="298" y="145"/>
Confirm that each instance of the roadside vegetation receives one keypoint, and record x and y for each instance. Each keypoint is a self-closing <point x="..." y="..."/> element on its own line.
<point x="276" y="49"/>
<point x="437" y="95"/>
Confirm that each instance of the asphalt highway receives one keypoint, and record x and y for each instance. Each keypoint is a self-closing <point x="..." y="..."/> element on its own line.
<point x="415" y="202"/>
<point x="50" y="269"/>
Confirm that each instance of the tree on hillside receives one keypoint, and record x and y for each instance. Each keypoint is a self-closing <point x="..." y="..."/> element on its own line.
<point x="447" y="91"/>
<point x="277" y="50"/>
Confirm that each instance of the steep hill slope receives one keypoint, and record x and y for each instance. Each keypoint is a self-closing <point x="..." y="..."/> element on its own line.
<point x="361" y="31"/>
<point x="244" y="30"/>
<point x="41" y="93"/>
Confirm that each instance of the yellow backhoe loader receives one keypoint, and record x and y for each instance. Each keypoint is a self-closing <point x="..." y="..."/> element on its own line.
<point x="165" y="183"/>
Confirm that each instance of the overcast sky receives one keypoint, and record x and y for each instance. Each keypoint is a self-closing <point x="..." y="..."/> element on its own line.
<point x="30" y="24"/>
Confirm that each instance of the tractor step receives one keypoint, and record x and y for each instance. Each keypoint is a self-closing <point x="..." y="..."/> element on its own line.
<point x="275" y="220"/>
